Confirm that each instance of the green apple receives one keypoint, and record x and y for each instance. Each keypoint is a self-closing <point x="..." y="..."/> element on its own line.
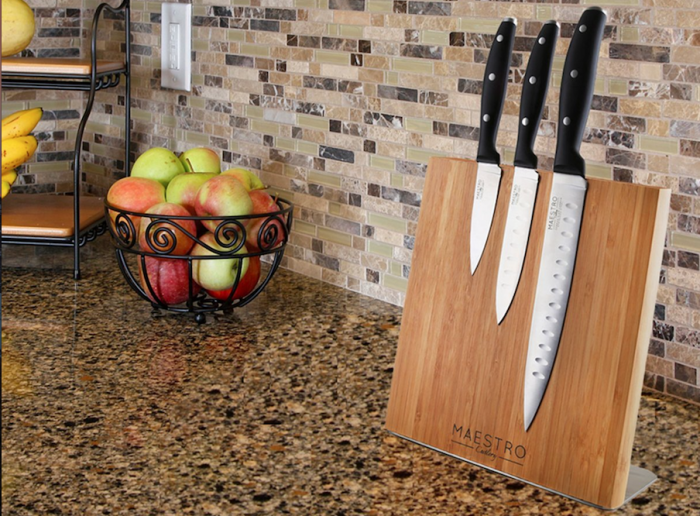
<point x="222" y="196"/>
<point x="159" y="164"/>
<point x="201" y="159"/>
<point x="218" y="273"/>
<point x="249" y="180"/>
<point x="183" y="189"/>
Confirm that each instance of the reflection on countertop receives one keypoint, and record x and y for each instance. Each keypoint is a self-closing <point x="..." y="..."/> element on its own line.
<point x="276" y="409"/>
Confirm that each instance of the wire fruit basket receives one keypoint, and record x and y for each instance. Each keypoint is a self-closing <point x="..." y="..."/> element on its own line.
<point x="199" y="265"/>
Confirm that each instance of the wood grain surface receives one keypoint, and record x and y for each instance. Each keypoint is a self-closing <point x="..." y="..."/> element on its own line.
<point x="57" y="65"/>
<point x="458" y="377"/>
<point x="45" y="215"/>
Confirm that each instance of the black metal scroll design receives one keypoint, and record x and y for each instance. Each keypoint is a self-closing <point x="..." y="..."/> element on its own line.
<point x="161" y="235"/>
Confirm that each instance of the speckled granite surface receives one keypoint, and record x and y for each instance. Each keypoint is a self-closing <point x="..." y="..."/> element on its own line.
<point x="276" y="409"/>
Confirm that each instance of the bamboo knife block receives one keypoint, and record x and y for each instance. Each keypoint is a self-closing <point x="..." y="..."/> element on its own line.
<point x="458" y="377"/>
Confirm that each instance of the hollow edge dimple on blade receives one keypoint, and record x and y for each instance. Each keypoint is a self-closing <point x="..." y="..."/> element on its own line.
<point x="565" y="211"/>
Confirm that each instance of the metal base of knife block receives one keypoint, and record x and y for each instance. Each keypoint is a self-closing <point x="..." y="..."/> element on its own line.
<point x="638" y="480"/>
<point x="458" y="376"/>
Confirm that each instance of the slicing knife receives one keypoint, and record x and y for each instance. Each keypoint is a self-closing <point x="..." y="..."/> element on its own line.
<point x="525" y="178"/>
<point x="565" y="209"/>
<point x="488" y="175"/>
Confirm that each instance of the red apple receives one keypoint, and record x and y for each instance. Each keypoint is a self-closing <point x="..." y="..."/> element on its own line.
<point x="153" y="236"/>
<point x="217" y="273"/>
<point x="169" y="278"/>
<point x="245" y="286"/>
<point x="263" y="203"/>
<point x="222" y="196"/>
<point x="183" y="188"/>
<point x="135" y="194"/>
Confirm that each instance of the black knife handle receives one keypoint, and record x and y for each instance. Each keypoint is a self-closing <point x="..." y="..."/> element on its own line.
<point x="494" y="91"/>
<point x="532" y="100"/>
<point x="577" y="84"/>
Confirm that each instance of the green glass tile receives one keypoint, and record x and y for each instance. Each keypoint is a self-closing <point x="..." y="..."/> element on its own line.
<point x="599" y="171"/>
<point x="558" y="63"/>
<point x="685" y="241"/>
<point x="396" y="269"/>
<point x="198" y="102"/>
<point x="610" y="2"/>
<point x="96" y="127"/>
<point x="312" y="122"/>
<point x="394" y="282"/>
<point x="254" y="50"/>
<point x="380" y="6"/>
<point x="599" y="87"/>
<point x="656" y="144"/>
<point x="332" y="29"/>
<point x="48" y="105"/>
<point x="334" y="208"/>
<point x="337" y="237"/>
<point x="381" y="248"/>
<point x="332" y="57"/>
<point x="243" y="3"/>
<point x="543" y="12"/>
<point x="386" y="222"/>
<point x="508" y="156"/>
<point x="51" y="166"/>
<point x="254" y="111"/>
<point x="307" y="147"/>
<point x="352" y="31"/>
<point x="199" y="10"/>
<point x="324" y="178"/>
<point x="391" y="78"/>
<point x="382" y="162"/>
<point x="402" y="64"/>
<point x="235" y="35"/>
<point x="422" y="156"/>
<point x="323" y="4"/>
<point x="304" y="228"/>
<point x="200" y="45"/>
<point x="12" y="107"/>
<point x="419" y="125"/>
<point x="140" y="114"/>
<point x="617" y="87"/>
<point x="397" y="180"/>
<point x="629" y="34"/>
<point x="197" y="138"/>
<point x="286" y="144"/>
<point x="262" y="126"/>
<point x="435" y="37"/>
<point x="480" y="25"/>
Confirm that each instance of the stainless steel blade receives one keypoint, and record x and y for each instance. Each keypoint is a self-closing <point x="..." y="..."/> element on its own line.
<point x="515" y="238"/>
<point x="553" y="286"/>
<point x="488" y="177"/>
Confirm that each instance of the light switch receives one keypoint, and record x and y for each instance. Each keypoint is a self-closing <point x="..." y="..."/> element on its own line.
<point x="176" y="46"/>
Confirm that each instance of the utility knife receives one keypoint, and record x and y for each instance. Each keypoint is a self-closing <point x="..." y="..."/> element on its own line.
<point x="488" y="174"/>
<point x="564" y="209"/>
<point x="525" y="178"/>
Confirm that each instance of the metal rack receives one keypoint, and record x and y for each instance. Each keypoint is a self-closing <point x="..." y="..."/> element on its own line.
<point x="98" y="75"/>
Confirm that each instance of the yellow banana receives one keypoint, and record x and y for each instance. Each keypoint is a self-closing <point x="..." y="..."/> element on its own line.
<point x="20" y="123"/>
<point x="16" y="151"/>
<point x="10" y="177"/>
<point x="5" y="188"/>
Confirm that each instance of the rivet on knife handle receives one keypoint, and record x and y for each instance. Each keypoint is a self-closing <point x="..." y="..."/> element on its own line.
<point x="494" y="91"/>
<point x="525" y="178"/>
<point x="488" y="173"/>
<point x="565" y="208"/>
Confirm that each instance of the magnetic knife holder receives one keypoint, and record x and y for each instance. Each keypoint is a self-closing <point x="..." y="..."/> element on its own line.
<point x="458" y="378"/>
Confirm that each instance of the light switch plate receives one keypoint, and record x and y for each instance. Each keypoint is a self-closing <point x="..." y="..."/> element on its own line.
<point x="176" y="46"/>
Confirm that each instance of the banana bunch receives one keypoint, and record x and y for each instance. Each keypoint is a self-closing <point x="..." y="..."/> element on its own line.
<point x="17" y="144"/>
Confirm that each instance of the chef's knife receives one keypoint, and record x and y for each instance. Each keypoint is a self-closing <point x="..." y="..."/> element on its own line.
<point x="565" y="209"/>
<point x="488" y="174"/>
<point x="525" y="178"/>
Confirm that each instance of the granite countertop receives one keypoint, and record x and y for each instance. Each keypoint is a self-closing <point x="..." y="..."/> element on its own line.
<point x="277" y="408"/>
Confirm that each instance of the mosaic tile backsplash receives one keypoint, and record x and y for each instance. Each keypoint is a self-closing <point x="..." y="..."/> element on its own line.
<point x="339" y="104"/>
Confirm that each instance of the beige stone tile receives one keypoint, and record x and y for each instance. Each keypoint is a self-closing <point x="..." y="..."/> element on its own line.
<point x="640" y="108"/>
<point x="684" y="354"/>
<point x="679" y="109"/>
<point x="659" y="366"/>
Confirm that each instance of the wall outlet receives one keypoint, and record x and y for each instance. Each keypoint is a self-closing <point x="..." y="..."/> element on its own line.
<point x="176" y="46"/>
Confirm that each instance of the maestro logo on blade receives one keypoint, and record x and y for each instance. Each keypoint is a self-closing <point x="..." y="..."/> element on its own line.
<point x="554" y="217"/>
